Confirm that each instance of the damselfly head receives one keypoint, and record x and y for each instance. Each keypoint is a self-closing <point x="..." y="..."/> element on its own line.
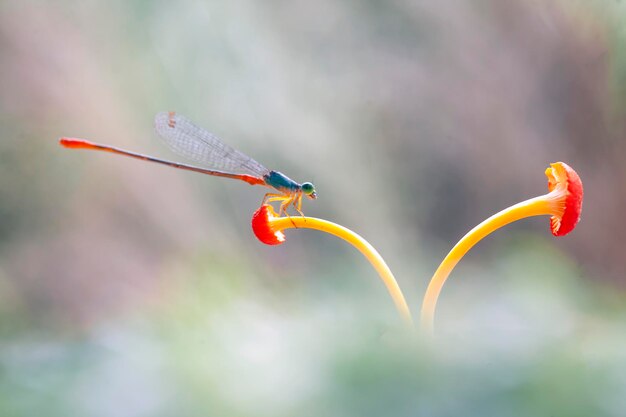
<point x="309" y="189"/>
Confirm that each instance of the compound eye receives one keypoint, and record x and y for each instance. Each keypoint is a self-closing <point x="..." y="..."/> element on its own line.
<point x="308" y="188"/>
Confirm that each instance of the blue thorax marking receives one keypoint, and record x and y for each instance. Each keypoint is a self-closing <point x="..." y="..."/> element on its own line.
<point x="281" y="182"/>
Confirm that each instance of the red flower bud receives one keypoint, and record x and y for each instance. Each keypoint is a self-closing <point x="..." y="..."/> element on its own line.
<point x="563" y="178"/>
<point x="262" y="226"/>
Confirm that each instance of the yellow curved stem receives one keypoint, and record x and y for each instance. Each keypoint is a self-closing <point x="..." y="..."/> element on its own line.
<point x="537" y="206"/>
<point x="358" y="242"/>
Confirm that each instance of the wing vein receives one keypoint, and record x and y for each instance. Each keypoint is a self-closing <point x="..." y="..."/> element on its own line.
<point x="197" y="144"/>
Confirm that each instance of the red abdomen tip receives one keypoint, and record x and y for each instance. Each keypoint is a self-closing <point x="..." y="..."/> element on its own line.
<point x="75" y="143"/>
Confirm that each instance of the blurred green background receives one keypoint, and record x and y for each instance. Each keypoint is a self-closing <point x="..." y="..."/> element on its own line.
<point x="129" y="289"/>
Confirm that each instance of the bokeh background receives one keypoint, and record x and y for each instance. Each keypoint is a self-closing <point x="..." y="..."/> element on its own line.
<point x="130" y="289"/>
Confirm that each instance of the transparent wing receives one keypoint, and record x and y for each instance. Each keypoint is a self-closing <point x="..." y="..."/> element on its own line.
<point x="195" y="143"/>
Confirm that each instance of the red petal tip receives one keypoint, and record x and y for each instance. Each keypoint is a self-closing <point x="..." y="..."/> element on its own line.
<point x="262" y="228"/>
<point x="562" y="175"/>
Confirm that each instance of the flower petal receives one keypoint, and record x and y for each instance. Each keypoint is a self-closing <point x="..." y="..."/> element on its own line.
<point x="262" y="226"/>
<point x="562" y="176"/>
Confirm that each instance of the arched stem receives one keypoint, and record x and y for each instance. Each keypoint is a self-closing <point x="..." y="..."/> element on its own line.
<point x="537" y="206"/>
<point x="362" y="245"/>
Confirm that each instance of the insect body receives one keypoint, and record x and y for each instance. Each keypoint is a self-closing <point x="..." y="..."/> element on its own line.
<point x="216" y="158"/>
